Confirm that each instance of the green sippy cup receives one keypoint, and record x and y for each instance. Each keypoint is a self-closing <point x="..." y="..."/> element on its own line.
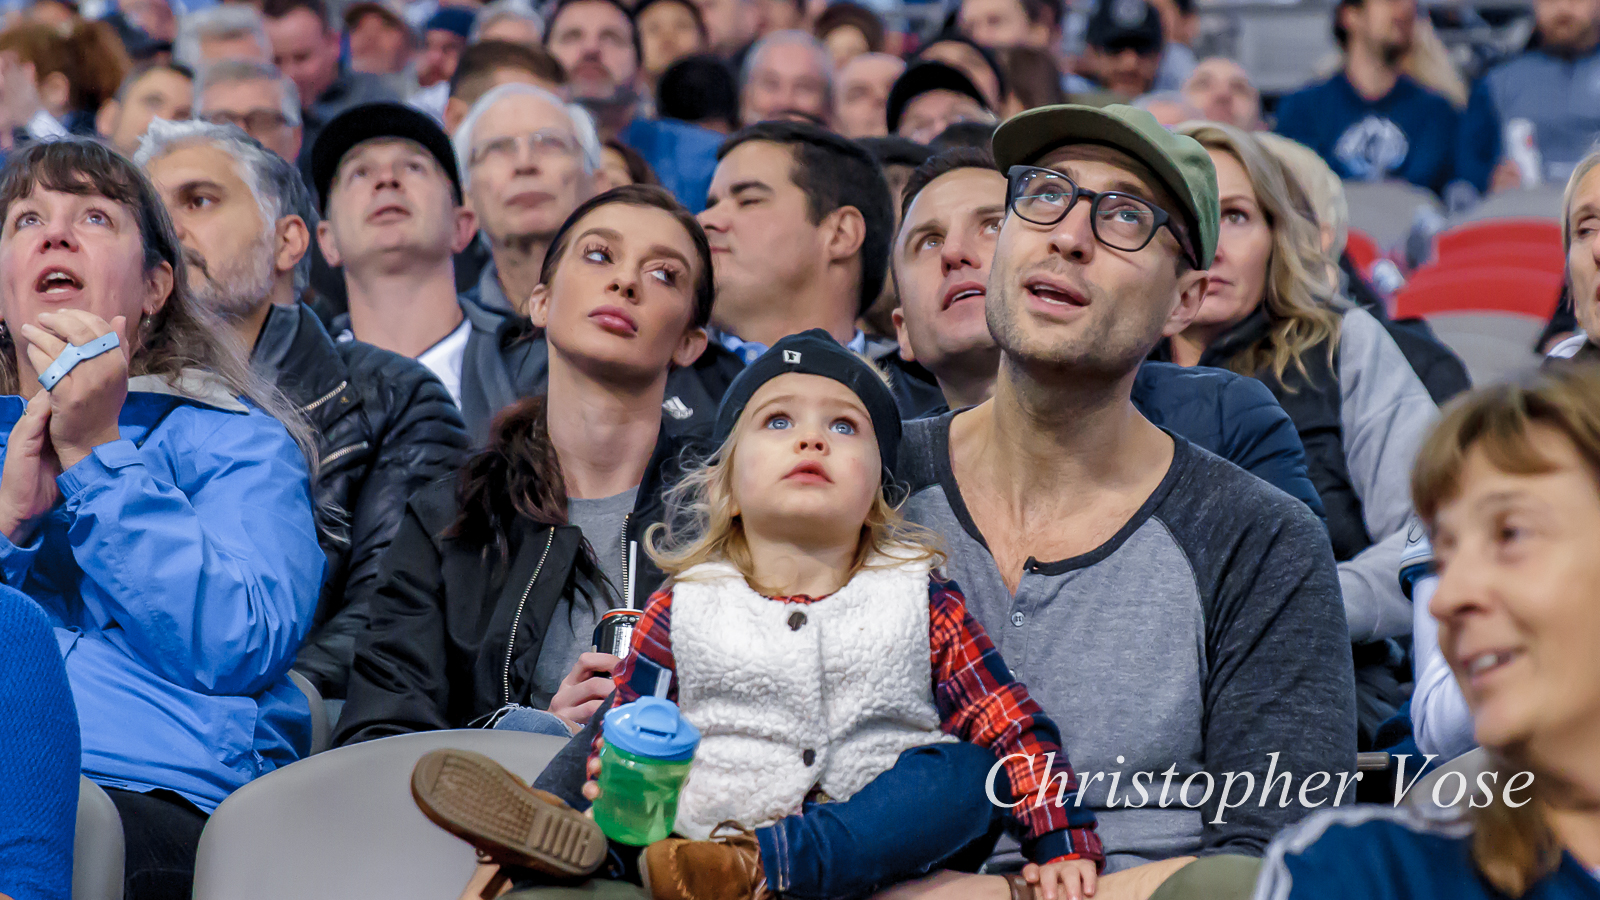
<point x="644" y="763"/>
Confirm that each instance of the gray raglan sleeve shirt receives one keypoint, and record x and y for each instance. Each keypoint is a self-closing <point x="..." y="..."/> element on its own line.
<point x="1278" y="684"/>
<point x="1206" y="635"/>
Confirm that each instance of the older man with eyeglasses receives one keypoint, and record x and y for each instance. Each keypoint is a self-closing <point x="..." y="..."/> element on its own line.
<point x="527" y="160"/>
<point x="257" y="98"/>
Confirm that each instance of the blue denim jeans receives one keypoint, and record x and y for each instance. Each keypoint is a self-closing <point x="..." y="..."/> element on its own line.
<point x="537" y="721"/>
<point x="929" y="811"/>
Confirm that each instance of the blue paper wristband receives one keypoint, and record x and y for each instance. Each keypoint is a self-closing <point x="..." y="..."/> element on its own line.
<point x="75" y="354"/>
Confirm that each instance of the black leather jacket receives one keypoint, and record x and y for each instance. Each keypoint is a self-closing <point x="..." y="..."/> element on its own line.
<point x="457" y="628"/>
<point x="384" y="427"/>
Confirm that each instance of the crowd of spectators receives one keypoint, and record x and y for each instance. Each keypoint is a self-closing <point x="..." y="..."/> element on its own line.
<point x="399" y="324"/>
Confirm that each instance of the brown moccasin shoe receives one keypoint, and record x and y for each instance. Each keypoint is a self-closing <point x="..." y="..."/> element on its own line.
<point x="476" y="799"/>
<point x="727" y="867"/>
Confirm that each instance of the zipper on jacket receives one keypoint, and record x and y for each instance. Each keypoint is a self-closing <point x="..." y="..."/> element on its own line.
<point x="343" y="452"/>
<point x="511" y="644"/>
<point x="630" y="549"/>
<point x="312" y="406"/>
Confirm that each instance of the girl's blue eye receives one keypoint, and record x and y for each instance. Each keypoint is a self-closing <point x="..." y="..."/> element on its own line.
<point x="842" y="426"/>
<point x="779" y="422"/>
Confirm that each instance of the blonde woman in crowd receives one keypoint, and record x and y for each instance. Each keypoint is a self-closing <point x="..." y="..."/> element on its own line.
<point x="1271" y="312"/>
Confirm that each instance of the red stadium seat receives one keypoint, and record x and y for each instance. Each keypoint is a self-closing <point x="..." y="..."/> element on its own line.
<point x="1459" y="288"/>
<point x="1465" y="242"/>
<point x="1489" y="316"/>
<point x="1363" y="250"/>
<point x="1542" y="257"/>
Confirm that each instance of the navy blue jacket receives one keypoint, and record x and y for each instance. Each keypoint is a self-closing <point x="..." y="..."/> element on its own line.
<point x="1378" y="853"/>
<point x="1409" y="133"/>
<point x="1235" y="417"/>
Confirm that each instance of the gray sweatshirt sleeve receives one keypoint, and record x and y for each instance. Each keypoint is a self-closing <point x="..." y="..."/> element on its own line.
<point x="1279" y="683"/>
<point x="1385" y="412"/>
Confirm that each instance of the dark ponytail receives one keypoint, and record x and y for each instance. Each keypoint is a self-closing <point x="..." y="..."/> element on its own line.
<point x="518" y="474"/>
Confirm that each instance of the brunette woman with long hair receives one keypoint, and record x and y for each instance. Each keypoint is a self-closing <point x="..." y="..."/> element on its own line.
<point x="154" y="502"/>
<point x="496" y="579"/>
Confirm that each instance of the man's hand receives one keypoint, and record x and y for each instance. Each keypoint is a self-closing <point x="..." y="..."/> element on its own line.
<point x="85" y="404"/>
<point x="1067" y="879"/>
<point x="584" y="688"/>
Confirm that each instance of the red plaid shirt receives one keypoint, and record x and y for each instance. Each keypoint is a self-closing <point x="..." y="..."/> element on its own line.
<point x="978" y="702"/>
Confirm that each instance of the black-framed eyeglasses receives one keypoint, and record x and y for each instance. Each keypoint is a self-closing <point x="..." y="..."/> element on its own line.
<point x="1120" y="220"/>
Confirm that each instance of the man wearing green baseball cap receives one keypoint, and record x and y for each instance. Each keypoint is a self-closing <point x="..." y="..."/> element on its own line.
<point x="1179" y="619"/>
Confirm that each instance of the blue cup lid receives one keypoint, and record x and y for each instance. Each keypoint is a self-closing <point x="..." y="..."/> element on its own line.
<point x="652" y="728"/>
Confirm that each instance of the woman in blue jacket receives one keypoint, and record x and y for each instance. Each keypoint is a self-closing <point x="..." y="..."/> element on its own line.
<point x="150" y="501"/>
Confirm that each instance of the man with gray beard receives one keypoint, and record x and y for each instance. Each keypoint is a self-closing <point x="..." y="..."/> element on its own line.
<point x="384" y="424"/>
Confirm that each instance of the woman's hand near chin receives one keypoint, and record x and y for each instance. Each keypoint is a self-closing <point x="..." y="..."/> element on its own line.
<point x="84" y="404"/>
<point x="28" y="484"/>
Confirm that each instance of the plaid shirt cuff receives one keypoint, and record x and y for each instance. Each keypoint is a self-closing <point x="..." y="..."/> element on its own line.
<point x="1068" y="843"/>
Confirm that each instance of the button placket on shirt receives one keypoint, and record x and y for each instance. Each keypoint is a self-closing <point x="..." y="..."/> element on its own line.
<point x="1023" y="605"/>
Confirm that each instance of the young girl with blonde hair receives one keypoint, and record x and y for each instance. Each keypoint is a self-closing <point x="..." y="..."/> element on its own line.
<point x="858" y="728"/>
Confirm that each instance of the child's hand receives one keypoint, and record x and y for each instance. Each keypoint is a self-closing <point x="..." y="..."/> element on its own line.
<point x="1069" y="879"/>
<point x="591" y="788"/>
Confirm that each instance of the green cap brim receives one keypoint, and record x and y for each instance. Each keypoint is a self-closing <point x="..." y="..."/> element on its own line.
<point x="1026" y="137"/>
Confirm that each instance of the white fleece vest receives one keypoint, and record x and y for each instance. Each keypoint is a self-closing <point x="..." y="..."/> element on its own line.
<point x="843" y="683"/>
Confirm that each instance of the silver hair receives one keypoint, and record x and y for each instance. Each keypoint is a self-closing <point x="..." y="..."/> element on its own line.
<point x="1581" y="307"/>
<point x="1580" y="172"/>
<point x="504" y="9"/>
<point x="274" y="182"/>
<point x="803" y="38"/>
<point x="228" y="20"/>
<point x="582" y="126"/>
<point x="230" y="71"/>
